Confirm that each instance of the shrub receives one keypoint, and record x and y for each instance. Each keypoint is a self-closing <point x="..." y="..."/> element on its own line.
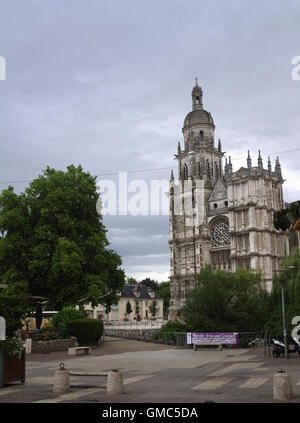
<point x="62" y="318"/>
<point x="11" y="346"/>
<point x="48" y="327"/>
<point x="167" y="331"/>
<point x="87" y="331"/>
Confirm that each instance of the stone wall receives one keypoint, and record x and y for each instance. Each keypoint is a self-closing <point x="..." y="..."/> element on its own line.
<point x="53" y="345"/>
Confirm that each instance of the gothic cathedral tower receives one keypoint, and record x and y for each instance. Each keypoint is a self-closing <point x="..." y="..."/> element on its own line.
<point x="217" y="216"/>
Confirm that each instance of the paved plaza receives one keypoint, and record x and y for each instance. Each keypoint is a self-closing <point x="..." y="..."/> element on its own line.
<point x="157" y="374"/>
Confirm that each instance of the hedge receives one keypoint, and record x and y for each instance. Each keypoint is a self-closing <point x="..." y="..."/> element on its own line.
<point x="86" y="330"/>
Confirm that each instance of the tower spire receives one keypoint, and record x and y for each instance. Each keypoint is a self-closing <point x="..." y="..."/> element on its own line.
<point x="269" y="166"/>
<point x="197" y="96"/>
<point x="259" y="160"/>
<point x="219" y="146"/>
<point x="249" y="162"/>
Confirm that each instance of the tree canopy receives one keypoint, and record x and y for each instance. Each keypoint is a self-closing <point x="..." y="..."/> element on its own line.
<point x="284" y="219"/>
<point x="14" y="306"/>
<point x="53" y="238"/>
<point x="227" y="302"/>
<point x="291" y="281"/>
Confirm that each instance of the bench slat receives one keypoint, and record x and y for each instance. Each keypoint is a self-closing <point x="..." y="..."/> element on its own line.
<point x="87" y="374"/>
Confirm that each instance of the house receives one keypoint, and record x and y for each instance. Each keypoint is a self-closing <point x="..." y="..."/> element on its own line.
<point x="141" y="299"/>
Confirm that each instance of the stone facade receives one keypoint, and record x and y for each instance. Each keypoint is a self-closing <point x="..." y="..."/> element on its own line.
<point x="219" y="216"/>
<point x="136" y="295"/>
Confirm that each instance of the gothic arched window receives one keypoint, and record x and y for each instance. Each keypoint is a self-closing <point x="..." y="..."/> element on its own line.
<point x="185" y="172"/>
<point x="199" y="168"/>
<point x="220" y="233"/>
<point x="201" y="134"/>
<point x="207" y="168"/>
<point x="216" y="170"/>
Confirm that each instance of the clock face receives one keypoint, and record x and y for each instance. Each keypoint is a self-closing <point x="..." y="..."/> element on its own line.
<point x="220" y="234"/>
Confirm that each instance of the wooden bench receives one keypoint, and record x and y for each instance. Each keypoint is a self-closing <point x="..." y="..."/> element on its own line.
<point x="88" y="374"/>
<point x="195" y="346"/>
<point x="75" y="350"/>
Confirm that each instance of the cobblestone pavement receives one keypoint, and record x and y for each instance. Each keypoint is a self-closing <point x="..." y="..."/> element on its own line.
<point x="157" y="374"/>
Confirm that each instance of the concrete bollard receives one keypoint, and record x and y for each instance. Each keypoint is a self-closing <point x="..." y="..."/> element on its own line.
<point x="282" y="387"/>
<point x="61" y="380"/>
<point x="115" y="384"/>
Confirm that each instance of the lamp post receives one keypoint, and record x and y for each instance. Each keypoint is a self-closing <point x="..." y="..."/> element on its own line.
<point x="282" y="280"/>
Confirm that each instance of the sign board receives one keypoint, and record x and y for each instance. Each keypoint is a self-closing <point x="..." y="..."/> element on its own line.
<point x="27" y="345"/>
<point x="2" y="329"/>
<point x="212" y="338"/>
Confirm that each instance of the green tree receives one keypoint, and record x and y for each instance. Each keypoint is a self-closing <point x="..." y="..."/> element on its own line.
<point x="284" y="219"/>
<point x="62" y="319"/>
<point x="131" y="281"/>
<point x="53" y="238"/>
<point x="14" y="306"/>
<point x="150" y="283"/>
<point x="153" y="308"/>
<point x="128" y="308"/>
<point x="227" y="302"/>
<point x="291" y="280"/>
<point x="163" y="291"/>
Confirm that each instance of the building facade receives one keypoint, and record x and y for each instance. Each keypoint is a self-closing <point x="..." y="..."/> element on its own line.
<point x="219" y="216"/>
<point x="140" y="297"/>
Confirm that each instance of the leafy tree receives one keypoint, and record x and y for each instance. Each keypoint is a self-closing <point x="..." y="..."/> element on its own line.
<point x="227" y="302"/>
<point x="128" y="308"/>
<point x="131" y="281"/>
<point x="62" y="319"/>
<point x="53" y="238"/>
<point x="163" y="291"/>
<point x="150" y="283"/>
<point x="284" y="219"/>
<point x="291" y="281"/>
<point x="13" y="306"/>
<point x="153" y="308"/>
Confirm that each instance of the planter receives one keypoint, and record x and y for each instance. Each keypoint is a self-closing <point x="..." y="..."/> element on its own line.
<point x="12" y="369"/>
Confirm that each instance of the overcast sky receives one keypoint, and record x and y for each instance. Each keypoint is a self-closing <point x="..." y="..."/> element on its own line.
<point x="107" y="84"/>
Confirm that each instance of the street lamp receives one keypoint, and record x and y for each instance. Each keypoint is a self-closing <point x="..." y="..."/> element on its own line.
<point x="281" y="280"/>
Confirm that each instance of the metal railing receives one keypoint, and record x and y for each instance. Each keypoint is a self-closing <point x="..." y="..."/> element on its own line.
<point x="142" y="324"/>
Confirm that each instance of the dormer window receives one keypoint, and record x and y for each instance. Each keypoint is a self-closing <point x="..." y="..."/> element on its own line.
<point x="136" y="292"/>
<point x="150" y="292"/>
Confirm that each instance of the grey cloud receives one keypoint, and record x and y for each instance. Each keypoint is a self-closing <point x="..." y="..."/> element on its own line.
<point x="107" y="85"/>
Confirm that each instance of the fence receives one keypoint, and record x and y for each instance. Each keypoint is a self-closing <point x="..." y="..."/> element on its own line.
<point x="179" y="339"/>
<point x="142" y="324"/>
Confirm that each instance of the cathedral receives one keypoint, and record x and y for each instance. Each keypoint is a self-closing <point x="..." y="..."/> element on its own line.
<point x="218" y="215"/>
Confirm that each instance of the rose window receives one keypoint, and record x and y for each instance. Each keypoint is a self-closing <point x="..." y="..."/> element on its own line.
<point x="220" y="234"/>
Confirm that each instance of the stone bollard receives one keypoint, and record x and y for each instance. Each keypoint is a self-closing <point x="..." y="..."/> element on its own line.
<point x="115" y="382"/>
<point x="282" y="387"/>
<point x="61" y="380"/>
